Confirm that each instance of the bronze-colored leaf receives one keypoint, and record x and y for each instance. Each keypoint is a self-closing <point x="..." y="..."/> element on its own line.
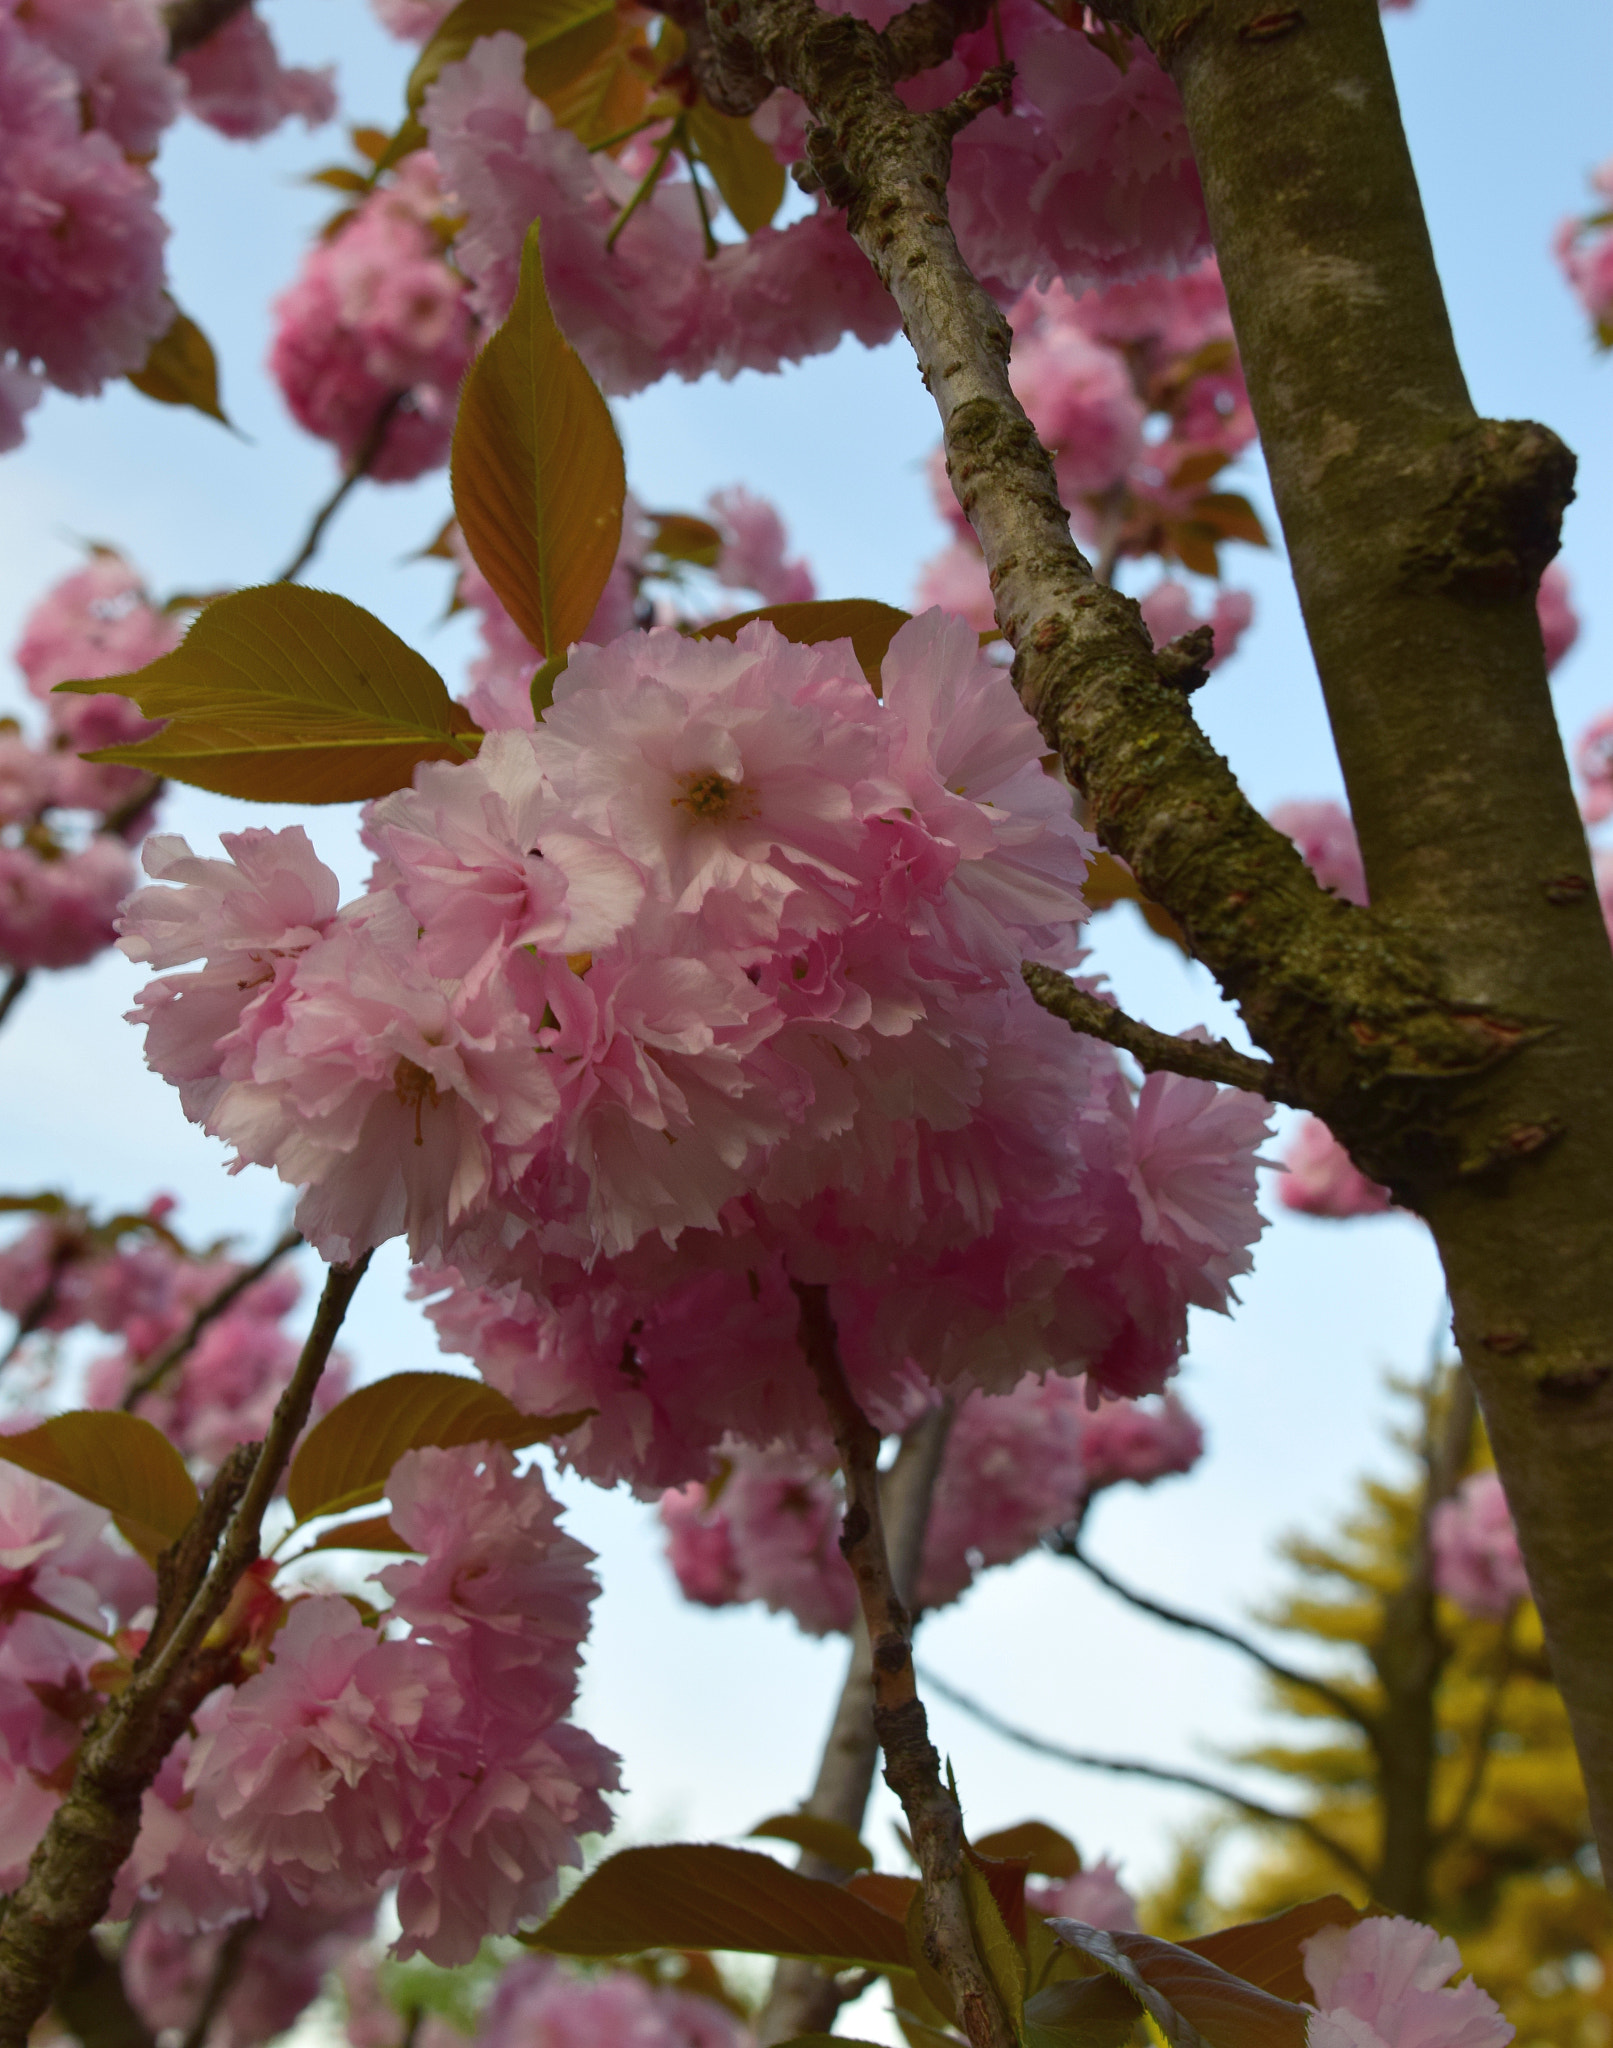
<point x="347" y="1457"/>
<point x="1040" y="1847"/>
<point x="869" y="625"/>
<point x="1191" y="1999"/>
<point x="1232" y="517"/>
<point x="537" y="22"/>
<point x="290" y="695"/>
<point x="702" y="1895"/>
<point x="182" y="369"/>
<point x="537" y="471"/>
<point x="1267" y="1952"/>
<point x="121" y="1462"/>
<point x="829" y="1839"/>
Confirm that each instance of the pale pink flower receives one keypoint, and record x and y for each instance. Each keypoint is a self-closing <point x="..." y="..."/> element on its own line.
<point x="699" y="1546"/>
<point x="1325" y="835"/>
<point x="58" y="909"/>
<point x="1323" y="1180"/>
<point x="752" y="555"/>
<point x="1094" y="1896"/>
<point x="411" y="21"/>
<point x="118" y="52"/>
<point x="1139" y="1441"/>
<point x="956" y="581"/>
<point x="1168" y="611"/>
<point x="538" y="2005"/>
<point x="1477" y="1562"/>
<point x="1593" y="761"/>
<point x="1384" y="1983"/>
<point x="236" y="83"/>
<point x="1584" y="249"/>
<point x="1559" y="622"/>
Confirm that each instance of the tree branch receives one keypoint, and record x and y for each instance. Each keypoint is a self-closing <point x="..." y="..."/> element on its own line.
<point x="363" y="455"/>
<point x="16" y="982"/>
<point x="804" y="1999"/>
<point x="1155" y="1051"/>
<point x="1453" y="1036"/>
<point x="72" y="1872"/>
<point x="1340" y="1703"/>
<point x="157" y="1368"/>
<point x="1081" y="1759"/>
<point x="912" y="1767"/>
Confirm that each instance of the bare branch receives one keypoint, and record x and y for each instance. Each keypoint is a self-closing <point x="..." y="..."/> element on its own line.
<point x="912" y="1767"/>
<point x="157" y="1368"/>
<point x="220" y="1982"/>
<point x="1340" y="1703"/>
<point x="1083" y="1760"/>
<point x="16" y="982"/>
<point x="363" y="455"/>
<point x="1209" y="1059"/>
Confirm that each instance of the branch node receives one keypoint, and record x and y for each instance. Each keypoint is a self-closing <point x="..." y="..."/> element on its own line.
<point x="1209" y="1059"/>
<point x="1497" y="520"/>
<point x="1184" y="663"/>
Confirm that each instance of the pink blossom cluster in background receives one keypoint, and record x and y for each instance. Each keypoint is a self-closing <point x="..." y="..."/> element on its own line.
<point x="1016" y="1465"/>
<point x="375" y="319"/>
<point x="141" y="1287"/>
<point x="1584" y="248"/>
<point x="539" y="2004"/>
<point x="1477" y="1562"/>
<point x="707" y="987"/>
<point x="65" y="823"/>
<point x="425" y="1748"/>
<point x="1385" y="1983"/>
<point x="86" y="92"/>
<point x="1136" y="392"/>
<point x="1321" y="1179"/>
<point x="752" y="557"/>
<point x="1094" y="1896"/>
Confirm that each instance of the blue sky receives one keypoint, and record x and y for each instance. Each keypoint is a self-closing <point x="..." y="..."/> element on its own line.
<point x="719" y="1716"/>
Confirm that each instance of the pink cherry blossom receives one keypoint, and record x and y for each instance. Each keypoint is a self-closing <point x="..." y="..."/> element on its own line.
<point x="754" y="542"/>
<point x="1477" y="1562"/>
<point x="377" y="319"/>
<point x="1325" y="836"/>
<point x="58" y="908"/>
<point x="1385" y="1981"/>
<point x="1139" y="1441"/>
<point x="1584" y="249"/>
<point x="1593" y="761"/>
<point x="236" y="83"/>
<point x="1323" y="1180"/>
<point x="1168" y="612"/>
<point x="956" y="581"/>
<point x="539" y="2005"/>
<point x="1095" y="1896"/>
<point x="1559" y="622"/>
<point x="411" y="21"/>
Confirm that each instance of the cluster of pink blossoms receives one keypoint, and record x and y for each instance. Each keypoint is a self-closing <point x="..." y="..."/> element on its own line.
<point x="86" y="91"/>
<point x="1477" y="1562"/>
<point x="1385" y="1983"/>
<point x="1016" y="1465"/>
<point x="708" y="986"/>
<point x="752" y="557"/>
<point x="1136" y="392"/>
<point x="1585" y="251"/>
<point x="375" y="333"/>
<point x="65" y="822"/>
<point x="540" y="2005"/>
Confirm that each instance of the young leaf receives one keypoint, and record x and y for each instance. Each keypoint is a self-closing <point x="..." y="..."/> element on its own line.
<point x="1088" y="2012"/>
<point x="537" y="471"/>
<point x="537" y="22"/>
<point x="869" y="625"/>
<point x="290" y="695"/>
<point x="1001" y="1954"/>
<point x="1040" y="1847"/>
<point x="346" y="1458"/>
<point x="829" y="1839"/>
<point x="375" y="1532"/>
<point x="182" y="369"/>
<point x="749" y="176"/>
<point x="1267" y="1952"/>
<point x="1192" y="2001"/>
<point x="701" y="1895"/>
<point x="593" y="77"/>
<point x="882" y="1888"/>
<point x="1232" y="517"/>
<point x="120" y="1462"/>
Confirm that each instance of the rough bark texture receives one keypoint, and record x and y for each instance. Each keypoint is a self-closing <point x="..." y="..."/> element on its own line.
<point x="72" y="1872"/>
<point x="912" y="1767"/>
<point x="1457" y="1035"/>
<point x="804" y="1999"/>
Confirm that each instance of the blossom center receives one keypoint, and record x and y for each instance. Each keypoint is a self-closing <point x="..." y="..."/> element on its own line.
<point x="709" y="796"/>
<point x="411" y="1083"/>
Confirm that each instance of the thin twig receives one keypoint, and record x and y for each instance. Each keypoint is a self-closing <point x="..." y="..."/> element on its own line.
<point x="220" y="1983"/>
<point x="1065" y="1545"/>
<point x="1128" y="1767"/>
<point x="118" y="820"/>
<point x="363" y="455"/>
<point x="16" y="982"/>
<point x="72" y="1871"/>
<point x="157" y="1368"/>
<point x="1210" y="1059"/>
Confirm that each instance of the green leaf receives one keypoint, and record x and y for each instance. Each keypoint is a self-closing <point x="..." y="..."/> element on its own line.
<point x="701" y="1895"/>
<point x="537" y="471"/>
<point x="830" y="1839"/>
<point x="681" y="537"/>
<point x="537" y="22"/>
<point x="1267" y="1952"/>
<point x="869" y="625"/>
<point x="1039" y="1847"/>
<point x="120" y="1462"/>
<point x="749" y="176"/>
<point x="182" y="369"/>
<point x="290" y="695"/>
<point x="592" y="77"/>
<point x="1190" y="1999"/>
<point x="1087" y="2012"/>
<point x="1001" y="1954"/>
<point x="347" y="1457"/>
<point x="375" y="1532"/>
